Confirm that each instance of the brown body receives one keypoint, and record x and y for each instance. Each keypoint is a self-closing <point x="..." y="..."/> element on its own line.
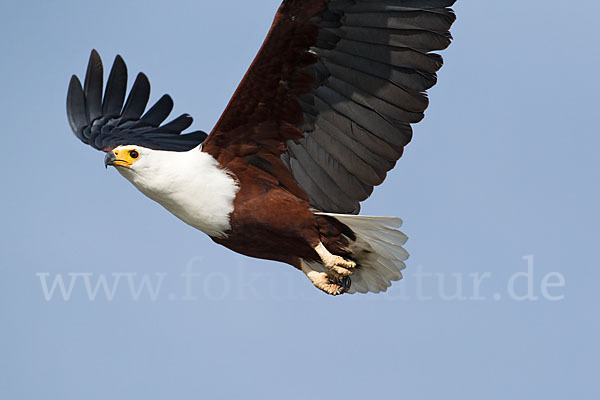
<point x="264" y="210"/>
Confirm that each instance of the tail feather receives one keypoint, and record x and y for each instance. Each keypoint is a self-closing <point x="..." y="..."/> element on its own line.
<point x="391" y="269"/>
<point x="368" y="222"/>
<point x="390" y="236"/>
<point x="388" y="250"/>
<point x="377" y="251"/>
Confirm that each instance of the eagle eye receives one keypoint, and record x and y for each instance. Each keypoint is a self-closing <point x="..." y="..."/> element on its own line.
<point x="134" y="154"/>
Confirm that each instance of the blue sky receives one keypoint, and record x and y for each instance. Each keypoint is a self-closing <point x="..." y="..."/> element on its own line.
<point x="499" y="186"/>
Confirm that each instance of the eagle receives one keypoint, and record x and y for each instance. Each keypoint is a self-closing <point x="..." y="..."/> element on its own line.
<point x="322" y="114"/>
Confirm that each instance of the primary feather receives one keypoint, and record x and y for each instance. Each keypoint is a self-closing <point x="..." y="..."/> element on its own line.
<point x="104" y="123"/>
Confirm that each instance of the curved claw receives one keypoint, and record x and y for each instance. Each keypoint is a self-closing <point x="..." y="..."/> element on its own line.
<point x="343" y="283"/>
<point x="329" y="282"/>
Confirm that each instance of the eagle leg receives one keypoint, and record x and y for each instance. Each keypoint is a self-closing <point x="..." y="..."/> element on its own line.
<point x="338" y="265"/>
<point x="328" y="282"/>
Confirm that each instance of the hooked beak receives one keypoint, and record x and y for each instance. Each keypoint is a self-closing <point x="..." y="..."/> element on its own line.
<point x="109" y="159"/>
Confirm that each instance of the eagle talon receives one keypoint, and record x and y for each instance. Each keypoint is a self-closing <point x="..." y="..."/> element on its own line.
<point x="346" y="282"/>
<point x="341" y="271"/>
<point x="328" y="282"/>
<point x="343" y="283"/>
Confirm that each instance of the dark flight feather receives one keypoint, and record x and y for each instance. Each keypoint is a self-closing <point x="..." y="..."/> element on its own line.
<point x="93" y="87"/>
<point x="370" y="63"/>
<point x="105" y="123"/>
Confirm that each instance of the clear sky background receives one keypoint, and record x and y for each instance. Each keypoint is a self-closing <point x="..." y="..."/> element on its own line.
<point x="505" y="166"/>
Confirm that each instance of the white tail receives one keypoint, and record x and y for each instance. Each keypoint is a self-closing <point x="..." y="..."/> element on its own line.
<point x="377" y="251"/>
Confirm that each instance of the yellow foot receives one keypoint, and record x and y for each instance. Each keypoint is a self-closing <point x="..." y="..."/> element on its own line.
<point x="328" y="282"/>
<point x="336" y="264"/>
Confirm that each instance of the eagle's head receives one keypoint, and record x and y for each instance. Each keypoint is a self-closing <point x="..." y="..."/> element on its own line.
<point x="151" y="171"/>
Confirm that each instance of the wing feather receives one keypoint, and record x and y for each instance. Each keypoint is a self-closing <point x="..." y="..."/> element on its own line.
<point x="104" y="123"/>
<point x="349" y="77"/>
<point x="116" y="88"/>
<point x="93" y="87"/>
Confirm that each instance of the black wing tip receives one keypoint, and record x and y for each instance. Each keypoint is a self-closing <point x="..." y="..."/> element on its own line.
<point x="75" y="88"/>
<point x="74" y="80"/>
<point x="119" y="61"/>
<point x="167" y="97"/>
<point x="95" y="65"/>
<point x="95" y="56"/>
<point x="110" y="129"/>
<point x="119" y="66"/>
<point x="76" y="113"/>
<point x="143" y="78"/>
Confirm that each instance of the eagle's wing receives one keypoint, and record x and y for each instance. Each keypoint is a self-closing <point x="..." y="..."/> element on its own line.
<point x="332" y="94"/>
<point x="105" y="123"/>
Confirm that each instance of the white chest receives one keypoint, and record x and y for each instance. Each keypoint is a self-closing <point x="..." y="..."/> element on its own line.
<point x="191" y="186"/>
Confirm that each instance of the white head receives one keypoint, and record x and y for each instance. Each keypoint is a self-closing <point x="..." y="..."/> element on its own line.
<point x="148" y="169"/>
<point x="190" y="184"/>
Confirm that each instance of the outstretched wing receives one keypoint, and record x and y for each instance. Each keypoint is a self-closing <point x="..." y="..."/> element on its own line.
<point x="105" y="123"/>
<point x="332" y="93"/>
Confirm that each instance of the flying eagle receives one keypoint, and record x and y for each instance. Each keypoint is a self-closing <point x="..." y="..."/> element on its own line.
<point x="321" y="116"/>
